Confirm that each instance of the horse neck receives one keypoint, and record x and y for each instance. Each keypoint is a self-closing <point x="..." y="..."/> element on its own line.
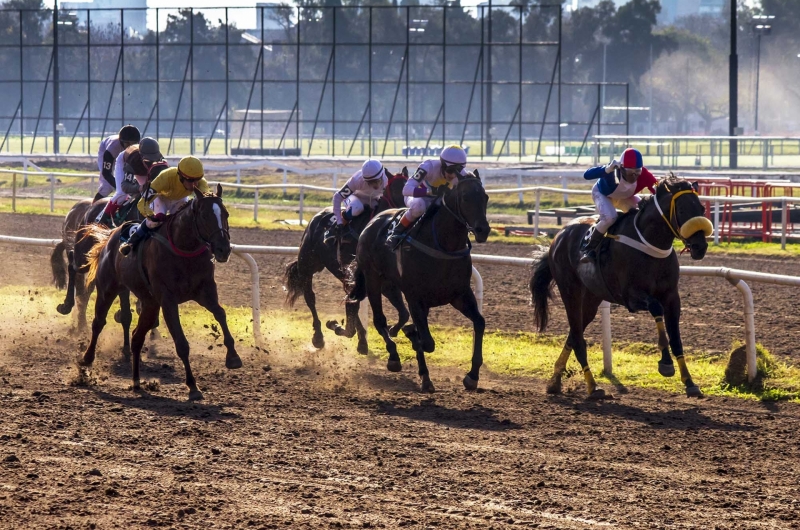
<point x="450" y="232"/>
<point x="654" y="228"/>
<point x="182" y="228"/>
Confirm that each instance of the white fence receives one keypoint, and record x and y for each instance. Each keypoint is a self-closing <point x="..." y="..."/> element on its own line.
<point x="733" y="276"/>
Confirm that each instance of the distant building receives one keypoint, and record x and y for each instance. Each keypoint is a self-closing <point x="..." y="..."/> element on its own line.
<point x="671" y="10"/>
<point x="135" y="20"/>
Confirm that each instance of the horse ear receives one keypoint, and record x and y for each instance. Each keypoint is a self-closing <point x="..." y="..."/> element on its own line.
<point x="696" y="187"/>
<point x="405" y="172"/>
<point x="477" y="175"/>
<point x="198" y="193"/>
<point x="219" y="190"/>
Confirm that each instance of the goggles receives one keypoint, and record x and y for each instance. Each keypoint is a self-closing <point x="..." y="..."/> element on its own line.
<point x="453" y="168"/>
<point x="183" y="177"/>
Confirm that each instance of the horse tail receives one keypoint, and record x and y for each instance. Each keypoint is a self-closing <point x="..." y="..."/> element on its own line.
<point x="59" y="266"/>
<point x="101" y="235"/>
<point x="293" y="283"/>
<point x="541" y="279"/>
<point x="356" y="283"/>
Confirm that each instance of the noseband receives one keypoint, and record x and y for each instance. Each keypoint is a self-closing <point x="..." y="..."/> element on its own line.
<point x="689" y="227"/>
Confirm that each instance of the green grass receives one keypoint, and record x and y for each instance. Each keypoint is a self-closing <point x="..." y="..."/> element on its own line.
<point x="516" y="354"/>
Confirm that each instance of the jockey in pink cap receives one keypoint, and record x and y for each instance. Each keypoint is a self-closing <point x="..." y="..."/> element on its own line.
<point x="617" y="185"/>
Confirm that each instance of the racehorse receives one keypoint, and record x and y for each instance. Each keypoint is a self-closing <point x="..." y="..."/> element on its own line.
<point x="432" y="267"/>
<point x="315" y="255"/>
<point x="636" y="267"/>
<point x="77" y="246"/>
<point x="171" y="267"/>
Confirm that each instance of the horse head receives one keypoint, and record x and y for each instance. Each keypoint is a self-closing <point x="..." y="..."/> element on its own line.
<point x="467" y="201"/>
<point x="211" y="221"/>
<point x="680" y="207"/>
<point x="393" y="194"/>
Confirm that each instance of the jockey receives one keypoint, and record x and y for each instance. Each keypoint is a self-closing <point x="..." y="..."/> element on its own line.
<point x="129" y="165"/>
<point x="171" y="188"/>
<point x="110" y="148"/>
<point x="609" y="194"/>
<point x="419" y="190"/>
<point x="364" y="187"/>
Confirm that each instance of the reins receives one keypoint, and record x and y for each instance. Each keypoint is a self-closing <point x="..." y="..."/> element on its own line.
<point x="205" y="244"/>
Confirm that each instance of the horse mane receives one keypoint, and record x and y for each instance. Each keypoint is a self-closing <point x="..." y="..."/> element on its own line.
<point x="667" y="184"/>
<point x="101" y="235"/>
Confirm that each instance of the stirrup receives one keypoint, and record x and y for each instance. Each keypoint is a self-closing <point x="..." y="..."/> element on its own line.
<point x="125" y="249"/>
<point x="589" y="256"/>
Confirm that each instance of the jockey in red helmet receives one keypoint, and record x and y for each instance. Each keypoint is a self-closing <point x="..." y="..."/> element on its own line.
<point x="615" y="189"/>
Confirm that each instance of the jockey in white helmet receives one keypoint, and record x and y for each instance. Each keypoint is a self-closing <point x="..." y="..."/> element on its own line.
<point x="419" y="191"/>
<point x="365" y="187"/>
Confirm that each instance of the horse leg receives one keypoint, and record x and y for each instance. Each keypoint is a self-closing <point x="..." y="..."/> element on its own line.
<point x="581" y="309"/>
<point x="125" y="319"/>
<point x="672" y="316"/>
<point x="101" y="307"/>
<point x="210" y="301"/>
<point x="554" y="384"/>
<point x="83" y="293"/>
<point x="169" y="309"/>
<point x="379" y="320"/>
<point x="424" y="342"/>
<point x="318" y="340"/>
<point x="665" y="365"/>
<point x="395" y="297"/>
<point x="65" y="308"/>
<point x="148" y="315"/>
<point x="468" y="307"/>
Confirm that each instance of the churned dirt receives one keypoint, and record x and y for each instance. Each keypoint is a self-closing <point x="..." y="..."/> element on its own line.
<point x="300" y="438"/>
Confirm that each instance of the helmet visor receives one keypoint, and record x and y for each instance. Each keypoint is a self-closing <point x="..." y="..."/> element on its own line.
<point x="183" y="177"/>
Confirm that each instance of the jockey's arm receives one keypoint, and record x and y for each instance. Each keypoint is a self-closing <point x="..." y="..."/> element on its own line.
<point x="416" y="183"/>
<point x="338" y="197"/>
<point x="100" y="152"/>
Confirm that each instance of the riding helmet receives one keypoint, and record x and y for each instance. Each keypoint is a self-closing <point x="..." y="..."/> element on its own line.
<point x="372" y="169"/>
<point x="453" y="156"/>
<point x="129" y="134"/>
<point x="149" y="149"/>
<point x="631" y="158"/>
<point x="190" y="168"/>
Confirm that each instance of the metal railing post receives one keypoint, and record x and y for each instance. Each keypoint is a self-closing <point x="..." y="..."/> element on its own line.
<point x="783" y="224"/>
<point x="284" y="181"/>
<point x="536" y="214"/>
<point x="519" y="185"/>
<point x="255" y="205"/>
<point x="716" y="222"/>
<point x="605" y="317"/>
<point x="566" y="195"/>
<point x="52" y="192"/>
<point x="14" y="193"/>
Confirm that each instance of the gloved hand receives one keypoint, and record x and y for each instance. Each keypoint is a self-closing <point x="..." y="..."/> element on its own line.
<point x="613" y="165"/>
<point x="421" y="191"/>
<point x="441" y="190"/>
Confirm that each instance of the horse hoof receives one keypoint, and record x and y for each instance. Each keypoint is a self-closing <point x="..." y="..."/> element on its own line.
<point x="693" y="391"/>
<point x="137" y="386"/>
<point x="331" y="325"/>
<point x="394" y="366"/>
<point x="63" y="309"/>
<point x="598" y="394"/>
<point x="126" y="354"/>
<point x="195" y="395"/>
<point x="118" y="316"/>
<point x="427" y="386"/>
<point x="667" y="370"/>
<point x="232" y="362"/>
<point x="362" y="348"/>
<point x="318" y="341"/>
<point x="393" y="331"/>
<point x="470" y="383"/>
<point x="554" y="386"/>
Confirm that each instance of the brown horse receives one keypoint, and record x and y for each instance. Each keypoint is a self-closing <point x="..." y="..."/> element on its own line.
<point x="76" y="245"/>
<point x="171" y="267"/>
<point x="336" y="256"/>
<point x="636" y="267"/>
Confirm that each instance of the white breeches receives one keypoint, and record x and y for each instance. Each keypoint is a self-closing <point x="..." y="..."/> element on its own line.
<point x="417" y="206"/>
<point x="607" y="208"/>
<point x="165" y="206"/>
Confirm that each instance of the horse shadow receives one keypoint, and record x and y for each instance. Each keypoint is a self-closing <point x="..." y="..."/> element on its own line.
<point x="149" y="369"/>
<point x="166" y="406"/>
<point x="477" y="417"/>
<point x="679" y="419"/>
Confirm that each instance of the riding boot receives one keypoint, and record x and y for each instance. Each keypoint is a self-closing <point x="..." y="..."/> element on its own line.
<point x="589" y="250"/>
<point x="141" y="232"/>
<point x="397" y="234"/>
<point x="104" y="219"/>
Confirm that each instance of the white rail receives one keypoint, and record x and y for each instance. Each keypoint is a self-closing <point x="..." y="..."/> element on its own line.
<point x="736" y="278"/>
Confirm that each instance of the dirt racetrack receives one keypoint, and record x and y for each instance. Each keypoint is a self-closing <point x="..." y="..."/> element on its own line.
<point x="305" y="439"/>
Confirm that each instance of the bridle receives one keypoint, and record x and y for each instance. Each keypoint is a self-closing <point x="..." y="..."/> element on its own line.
<point x="206" y="244"/>
<point x="457" y="213"/>
<point x="672" y="220"/>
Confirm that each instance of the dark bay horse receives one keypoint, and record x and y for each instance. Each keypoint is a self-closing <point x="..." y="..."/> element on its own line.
<point x="76" y="245"/>
<point x="432" y="268"/>
<point x="336" y="256"/>
<point x="636" y="267"/>
<point x="171" y="267"/>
